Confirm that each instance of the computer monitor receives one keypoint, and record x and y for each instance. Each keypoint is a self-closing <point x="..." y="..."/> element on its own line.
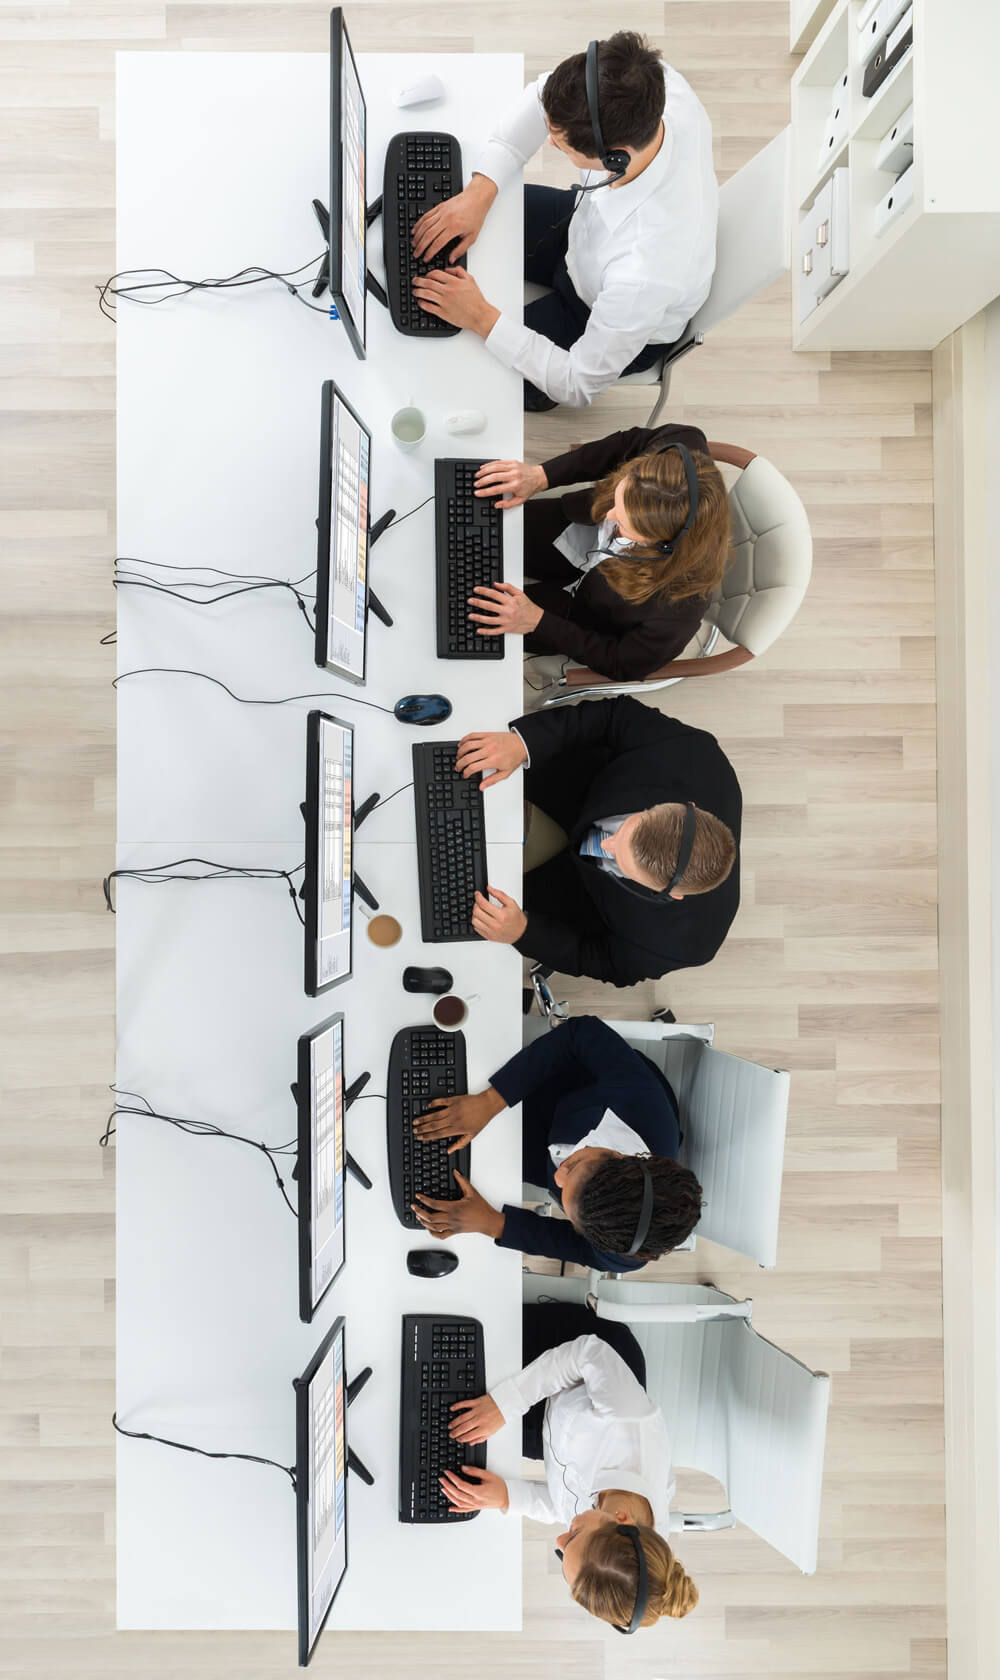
<point x="321" y="1161"/>
<point x="348" y="122"/>
<point x="344" y="532"/>
<point x="329" y="874"/>
<point x="320" y="1485"/>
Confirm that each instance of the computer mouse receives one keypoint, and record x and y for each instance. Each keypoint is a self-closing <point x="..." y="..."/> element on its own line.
<point x="422" y="708"/>
<point x="431" y="1262"/>
<point x="420" y="91"/>
<point x="465" y="420"/>
<point x="436" y="980"/>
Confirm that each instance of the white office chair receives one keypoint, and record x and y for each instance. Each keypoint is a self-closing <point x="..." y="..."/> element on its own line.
<point x="733" y="1115"/>
<point x="736" y="1407"/>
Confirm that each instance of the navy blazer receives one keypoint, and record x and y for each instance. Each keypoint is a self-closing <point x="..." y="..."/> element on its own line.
<point x="564" y="1081"/>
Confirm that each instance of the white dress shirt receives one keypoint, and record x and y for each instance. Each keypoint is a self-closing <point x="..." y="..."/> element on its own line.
<point x="601" y="1431"/>
<point x="585" y="546"/>
<point x="640" y="256"/>
<point x="611" y="1132"/>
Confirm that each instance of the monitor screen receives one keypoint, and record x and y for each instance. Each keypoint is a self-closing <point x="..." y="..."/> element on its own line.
<point x="343" y="525"/>
<point x="329" y="847"/>
<point x="348" y="122"/>
<point x="320" y="1485"/>
<point x="320" y="1095"/>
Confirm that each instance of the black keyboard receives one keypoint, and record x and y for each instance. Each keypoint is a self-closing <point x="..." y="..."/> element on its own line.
<point x="421" y="170"/>
<point x="442" y="1362"/>
<point x="451" y="842"/>
<point x="423" y="1064"/>
<point x="469" y="544"/>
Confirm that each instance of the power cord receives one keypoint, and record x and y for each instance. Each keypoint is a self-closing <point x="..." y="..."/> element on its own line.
<point x="201" y="1128"/>
<point x="183" y="1446"/>
<point x="154" y="876"/>
<point x="282" y="700"/>
<point x="110" y="291"/>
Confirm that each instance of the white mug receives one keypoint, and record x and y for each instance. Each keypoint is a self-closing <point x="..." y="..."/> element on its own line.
<point x="408" y="428"/>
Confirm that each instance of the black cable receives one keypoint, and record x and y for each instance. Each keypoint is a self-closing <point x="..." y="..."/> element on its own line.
<point x="250" y="276"/>
<point x="283" y="700"/>
<point x="239" y="577"/>
<point x="389" y="796"/>
<point x="183" y="1446"/>
<point x="153" y="876"/>
<point x="398" y="521"/>
<point x="121" y="582"/>
<point x="201" y="1128"/>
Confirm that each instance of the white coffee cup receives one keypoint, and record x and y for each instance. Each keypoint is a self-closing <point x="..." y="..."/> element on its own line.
<point x="408" y="428"/>
<point x="456" y="1010"/>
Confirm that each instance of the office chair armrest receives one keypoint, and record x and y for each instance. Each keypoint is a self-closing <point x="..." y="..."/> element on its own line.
<point x="681" y="348"/>
<point x="731" y="454"/>
<point x="682" y="1312"/>
<point x="579" y="676"/>
<point x="689" y="1522"/>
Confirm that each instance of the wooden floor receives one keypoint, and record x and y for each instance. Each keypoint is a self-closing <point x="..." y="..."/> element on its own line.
<point x="830" y="969"/>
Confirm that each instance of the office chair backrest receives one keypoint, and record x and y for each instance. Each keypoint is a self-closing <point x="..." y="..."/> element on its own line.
<point x="737" y="1408"/>
<point x="770" y="559"/>
<point x="753" y="246"/>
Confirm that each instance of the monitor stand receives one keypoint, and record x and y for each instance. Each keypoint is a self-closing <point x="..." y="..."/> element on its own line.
<point x="353" y="1461"/>
<point x="379" y="526"/>
<point x="322" y="281"/>
<point x="350" y="1095"/>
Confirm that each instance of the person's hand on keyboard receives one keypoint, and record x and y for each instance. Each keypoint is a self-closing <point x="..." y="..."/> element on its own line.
<point x="515" y="482"/>
<point x="503" y="922"/>
<point x="471" y="1212"/>
<point x="475" y="1420"/>
<point x="495" y="756"/>
<point x="459" y="1118"/>
<point x="484" y="1492"/>
<point x="460" y="217"/>
<point x="503" y="610"/>
<point x="453" y="296"/>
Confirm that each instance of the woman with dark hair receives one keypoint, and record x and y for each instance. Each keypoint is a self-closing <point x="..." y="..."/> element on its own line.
<point x="623" y="570"/>
<point x="604" y="1444"/>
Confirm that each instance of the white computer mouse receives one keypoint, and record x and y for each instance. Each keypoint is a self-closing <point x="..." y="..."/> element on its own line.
<point x="420" y="91"/>
<point x="465" y="420"/>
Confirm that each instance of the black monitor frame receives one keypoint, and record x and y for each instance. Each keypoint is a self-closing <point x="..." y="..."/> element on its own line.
<point x="339" y="43"/>
<point x="304" y="1104"/>
<point x="310" y="885"/>
<point x="324" y="525"/>
<point x="302" y="1486"/>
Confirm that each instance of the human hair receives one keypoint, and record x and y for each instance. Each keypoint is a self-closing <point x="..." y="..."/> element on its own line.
<point x="656" y="844"/>
<point x="630" y="94"/>
<point x="610" y="1202"/>
<point x="608" y="1577"/>
<point x="655" y="496"/>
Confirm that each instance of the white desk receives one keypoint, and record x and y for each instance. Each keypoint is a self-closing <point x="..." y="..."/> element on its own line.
<point x="218" y="440"/>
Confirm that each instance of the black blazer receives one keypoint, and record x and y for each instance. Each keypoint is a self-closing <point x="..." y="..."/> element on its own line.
<point x="606" y="758"/>
<point x="564" y="1081"/>
<point x="624" y="640"/>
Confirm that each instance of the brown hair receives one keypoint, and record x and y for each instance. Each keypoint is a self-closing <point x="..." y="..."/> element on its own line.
<point x="656" y="502"/>
<point x="607" y="1580"/>
<point x="656" y="842"/>
<point x="630" y="94"/>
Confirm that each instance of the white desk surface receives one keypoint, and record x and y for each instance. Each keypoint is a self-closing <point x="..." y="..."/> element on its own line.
<point x="218" y="439"/>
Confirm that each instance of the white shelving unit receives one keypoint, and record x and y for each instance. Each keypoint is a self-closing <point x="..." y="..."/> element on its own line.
<point x="805" y="19"/>
<point x="938" y="262"/>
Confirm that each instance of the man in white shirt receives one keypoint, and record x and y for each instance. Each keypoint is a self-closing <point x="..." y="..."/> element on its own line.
<point x="629" y="259"/>
<point x="606" y="1452"/>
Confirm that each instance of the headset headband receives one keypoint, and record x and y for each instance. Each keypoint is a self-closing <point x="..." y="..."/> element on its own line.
<point x="645" y="1212"/>
<point x="642" y="1586"/>
<point x="691" y="474"/>
<point x="615" y="161"/>
<point x="685" y="848"/>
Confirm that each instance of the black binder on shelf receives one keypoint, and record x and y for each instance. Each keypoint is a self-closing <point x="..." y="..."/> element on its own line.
<point x="884" y="60"/>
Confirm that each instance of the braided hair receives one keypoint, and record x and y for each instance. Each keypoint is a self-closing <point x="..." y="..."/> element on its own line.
<point x="610" y="1201"/>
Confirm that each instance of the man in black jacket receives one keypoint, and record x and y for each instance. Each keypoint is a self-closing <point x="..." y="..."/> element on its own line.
<point x="621" y="779"/>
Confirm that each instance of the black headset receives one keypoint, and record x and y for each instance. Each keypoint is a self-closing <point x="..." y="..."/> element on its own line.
<point x="615" y="160"/>
<point x="642" y="1585"/>
<point x="684" y="850"/>
<point x="691" y="475"/>
<point x="646" y="1211"/>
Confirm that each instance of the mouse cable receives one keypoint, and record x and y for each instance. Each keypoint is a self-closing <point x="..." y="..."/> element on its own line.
<point x="202" y="1128"/>
<point x="110" y="290"/>
<point x="183" y="1446"/>
<point x="282" y="700"/>
<point x="154" y="876"/>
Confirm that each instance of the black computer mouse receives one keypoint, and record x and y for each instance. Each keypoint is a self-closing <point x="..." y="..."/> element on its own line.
<point x="436" y="980"/>
<point x="431" y="1262"/>
<point x="422" y="708"/>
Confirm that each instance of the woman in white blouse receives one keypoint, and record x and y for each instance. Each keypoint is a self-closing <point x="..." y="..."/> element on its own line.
<point x="606" y="1453"/>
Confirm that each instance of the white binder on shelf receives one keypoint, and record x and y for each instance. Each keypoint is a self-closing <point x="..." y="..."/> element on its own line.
<point x="835" y="129"/>
<point x="867" y="11"/>
<point x="880" y="20"/>
<point x="894" y="203"/>
<point x="895" y="152"/>
<point x="824" y="242"/>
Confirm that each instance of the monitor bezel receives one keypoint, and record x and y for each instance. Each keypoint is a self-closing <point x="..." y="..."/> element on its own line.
<point x="332" y="393"/>
<point x="339" y="39"/>
<point x="301" y="1387"/>
<point x="307" y="1306"/>
<point x="311" y="895"/>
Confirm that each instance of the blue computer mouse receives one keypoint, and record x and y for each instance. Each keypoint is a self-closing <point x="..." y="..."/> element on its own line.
<point x="422" y="708"/>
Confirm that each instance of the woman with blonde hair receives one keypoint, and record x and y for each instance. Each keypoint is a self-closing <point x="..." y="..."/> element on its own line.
<point x="622" y="571"/>
<point x="586" y="1414"/>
